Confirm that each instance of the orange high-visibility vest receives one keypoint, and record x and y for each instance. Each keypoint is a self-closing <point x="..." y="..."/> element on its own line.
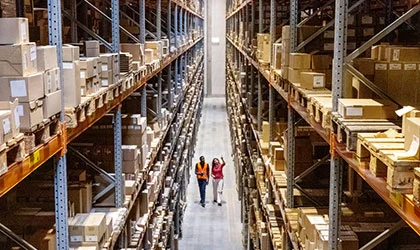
<point x="202" y="170"/>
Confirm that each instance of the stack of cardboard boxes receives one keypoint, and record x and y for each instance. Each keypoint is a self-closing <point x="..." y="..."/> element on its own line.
<point x="28" y="74"/>
<point x="89" y="230"/>
<point x="137" y="52"/>
<point x="263" y="48"/>
<point x="109" y="75"/>
<point x="300" y="71"/>
<point x="394" y="69"/>
<point x="313" y="230"/>
<point x="71" y="73"/>
<point x="134" y="133"/>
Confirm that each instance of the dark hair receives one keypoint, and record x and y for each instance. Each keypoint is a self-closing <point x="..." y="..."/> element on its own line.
<point x="201" y="157"/>
<point x="212" y="162"/>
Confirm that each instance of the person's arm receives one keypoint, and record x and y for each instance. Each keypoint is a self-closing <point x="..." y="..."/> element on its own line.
<point x="208" y="173"/>
<point x="223" y="161"/>
<point x="212" y="174"/>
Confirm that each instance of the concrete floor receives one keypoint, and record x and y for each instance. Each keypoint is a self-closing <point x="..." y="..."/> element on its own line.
<point x="213" y="227"/>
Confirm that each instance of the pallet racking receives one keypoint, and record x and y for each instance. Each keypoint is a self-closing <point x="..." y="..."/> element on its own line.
<point x="241" y="58"/>
<point x="179" y="20"/>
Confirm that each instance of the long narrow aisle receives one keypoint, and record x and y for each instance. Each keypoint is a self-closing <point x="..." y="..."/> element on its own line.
<point x="213" y="227"/>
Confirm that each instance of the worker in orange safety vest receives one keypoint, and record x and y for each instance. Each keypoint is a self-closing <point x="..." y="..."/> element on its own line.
<point x="202" y="171"/>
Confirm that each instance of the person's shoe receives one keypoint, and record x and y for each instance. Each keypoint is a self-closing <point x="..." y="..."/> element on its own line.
<point x="220" y="204"/>
<point x="214" y="201"/>
<point x="203" y="204"/>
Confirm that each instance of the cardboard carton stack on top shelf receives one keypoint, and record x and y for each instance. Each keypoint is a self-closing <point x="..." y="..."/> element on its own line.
<point x="394" y="69"/>
<point x="71" y="73"/>
<point x="29" y="74"/>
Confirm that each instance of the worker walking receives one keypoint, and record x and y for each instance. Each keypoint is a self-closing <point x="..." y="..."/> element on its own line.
<point x="217" y="174"/>
<point x="202" y="171"/>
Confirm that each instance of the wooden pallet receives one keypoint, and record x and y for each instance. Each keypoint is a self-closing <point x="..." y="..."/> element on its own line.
<point x="320" y="108"/>
<point x="41" y="133"/>
<point x="381" y="155"/>
<point x="12" y="151"/>
<point x="348" y="129"/>
<point x="302" y="96"/>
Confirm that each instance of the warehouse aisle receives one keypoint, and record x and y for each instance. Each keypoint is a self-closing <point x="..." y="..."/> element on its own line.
<point x="213" y="227"/>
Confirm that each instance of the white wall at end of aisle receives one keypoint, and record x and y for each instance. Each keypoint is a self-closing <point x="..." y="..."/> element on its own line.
<point x="216" y="47"/>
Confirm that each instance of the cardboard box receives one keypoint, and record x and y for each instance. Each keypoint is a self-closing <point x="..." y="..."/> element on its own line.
<point x="15" y="119"/>
<point x="71" y="73"/>
<point x="71" y="53"/>
<point x="135" y="49"/>
<point x="76" y="227"/>
<point x="294" y="75"/>
<point x="130" y="152"/>
<point x="365" y="109"/>
<point x="395" y="75"/>
<point x="18" y="60"/>
<point x="81" y="196"/>
<point x="88" y="67"/>
<point x="157" y="47"/>
<point x="109" y="61"/>
<point x="14" y="30"/>
<point x="46" y="57"/>
<point x="264" y="47"/>
<point x="131" y="167"/>
<point x="381" y="75"/>
<point x="26" y="88"/>
<point x="52" y="104"/>
<point x="409" y="76"/>
<point x="378" y="52"/>
<point x="277" y="47"/>
<point x="94" y="227"/>
<point x="6" y="132"/>
<point x="92" y="48"/>
<point x="265" y="131"/>
<point x="366" y="66"/>
<point x="312" y="80"/>
<point x="148" y="56"/>
<point x="52" y="80"/>
<point x="402" y="54"/>
<point x="321" y="62"/>
<point x="130" y="187"/>
<point x="299" y="61"/>
<point x="412" y="135"/>
<point x="30" y="113"/>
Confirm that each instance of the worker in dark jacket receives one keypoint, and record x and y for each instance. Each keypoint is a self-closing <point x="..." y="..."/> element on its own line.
<point x="202" y="171"/>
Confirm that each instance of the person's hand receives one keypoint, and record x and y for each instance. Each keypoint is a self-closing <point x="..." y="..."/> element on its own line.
<point x="222" y="158"/>
<point x="207" y="182"/>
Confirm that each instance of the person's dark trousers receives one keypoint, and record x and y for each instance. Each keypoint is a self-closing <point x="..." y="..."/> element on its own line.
<point x="202" y="185"/>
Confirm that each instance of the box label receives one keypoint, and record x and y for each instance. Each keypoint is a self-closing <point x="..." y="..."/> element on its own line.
<point x="6" y="126"/>
<point x="19" y="110"/>
<point x="104" y="82"/>
<point x="67" y="65"/>
<point x="410" y="66"/>
<point x="33" y="53"/>
<point x="352" y="111"/>
<point x="23" y="29"/>
<point x="381" y="66"/>
<point x="396" y="55"/>
<point x="76" y="238"/>
<point x="414" y="147"/>
<point x="91" y="238"/>
<point x="82" y="74"/>
<point x="395" y="66"/>
<point x="104" y="67"/>
<point x="318" y="81"/>
<point x="18" y="88"/>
